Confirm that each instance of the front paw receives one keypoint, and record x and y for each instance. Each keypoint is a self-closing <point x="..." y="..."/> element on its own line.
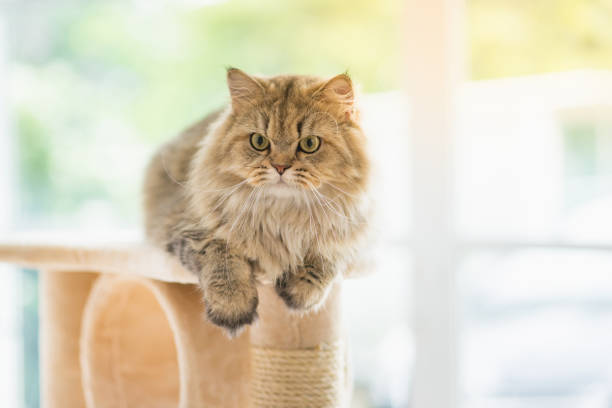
<point x="302" y="289"/>
<point x="183" y="249"/>
<point x="231" y="305"/>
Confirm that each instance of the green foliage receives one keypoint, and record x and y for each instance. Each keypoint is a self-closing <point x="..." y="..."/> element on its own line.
<point x="34" y="163"/>
<point x="519" y="37"/>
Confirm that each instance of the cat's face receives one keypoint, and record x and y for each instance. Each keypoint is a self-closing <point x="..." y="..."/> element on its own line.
<point x="294" y="134"/>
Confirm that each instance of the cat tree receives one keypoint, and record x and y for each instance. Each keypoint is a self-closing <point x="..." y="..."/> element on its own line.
<point x="123" y="327"/>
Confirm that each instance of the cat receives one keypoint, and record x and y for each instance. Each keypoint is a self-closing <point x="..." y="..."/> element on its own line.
<point x="272" y="189"/>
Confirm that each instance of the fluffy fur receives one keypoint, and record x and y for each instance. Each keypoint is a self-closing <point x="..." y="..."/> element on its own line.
<point x="232" y="218"/>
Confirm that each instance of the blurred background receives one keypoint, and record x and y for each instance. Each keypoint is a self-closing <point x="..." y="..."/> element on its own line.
<point x="89" y="88"/>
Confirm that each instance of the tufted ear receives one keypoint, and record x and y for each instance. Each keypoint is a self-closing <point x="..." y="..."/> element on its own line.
<point x="338" y="90"/>
<point x="243" y="88"/>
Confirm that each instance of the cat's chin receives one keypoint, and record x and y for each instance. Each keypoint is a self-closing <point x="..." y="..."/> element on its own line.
<point x="283" y="190"/>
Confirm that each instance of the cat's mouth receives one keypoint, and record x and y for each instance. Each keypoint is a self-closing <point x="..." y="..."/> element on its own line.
<point x="284" y="182"/>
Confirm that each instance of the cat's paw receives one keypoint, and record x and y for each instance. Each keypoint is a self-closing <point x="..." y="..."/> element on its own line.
<point x="303" y="289"/>
<point x="231" y="305"/>
<point x="182" y="247"/>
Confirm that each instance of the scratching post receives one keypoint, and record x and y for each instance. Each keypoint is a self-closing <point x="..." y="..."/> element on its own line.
<point x="124" y="327"/>
<point x="297" y="361"/>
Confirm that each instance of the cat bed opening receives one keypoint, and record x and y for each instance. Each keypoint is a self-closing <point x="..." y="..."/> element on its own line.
<point x="128" y="352"/>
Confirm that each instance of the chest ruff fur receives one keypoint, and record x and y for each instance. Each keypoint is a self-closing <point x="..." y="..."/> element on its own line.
<point x="276" y="234"/>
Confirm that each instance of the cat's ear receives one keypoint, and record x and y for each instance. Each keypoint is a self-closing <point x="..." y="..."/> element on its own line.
<point x="338" y="90"/>
<point x="244" y="89"/>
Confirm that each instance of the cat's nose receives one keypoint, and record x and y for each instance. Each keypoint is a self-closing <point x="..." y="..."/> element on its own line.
<point x="281" y="167"/>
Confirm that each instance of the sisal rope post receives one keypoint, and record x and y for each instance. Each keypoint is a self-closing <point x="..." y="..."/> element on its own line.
<point x="298" y="361"/>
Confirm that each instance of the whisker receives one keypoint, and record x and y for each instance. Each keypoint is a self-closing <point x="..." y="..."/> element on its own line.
<point x="320" y="205"/>
<point x="341" y="190"/>
<point x="225" y="188"/>
<point x="175" y="181"/>
<point x="328" y="220"/>
<point x="326" y="200"/>
<point x="242" y="224"/>
<point x="313" y="232"/>
<point x="323" y="199"/>
<point x="241" y="213"/>
<point x="256" y="206"/>
<point x="226" y="195"/>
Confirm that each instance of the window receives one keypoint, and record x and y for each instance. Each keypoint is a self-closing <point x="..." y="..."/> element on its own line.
<point x="533" y="184"/>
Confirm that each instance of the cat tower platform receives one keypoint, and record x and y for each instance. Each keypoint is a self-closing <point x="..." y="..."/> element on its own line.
<point x="123" y="327"/>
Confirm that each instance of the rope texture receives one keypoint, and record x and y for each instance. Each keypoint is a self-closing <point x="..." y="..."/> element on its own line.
<point x="306" y="378"/>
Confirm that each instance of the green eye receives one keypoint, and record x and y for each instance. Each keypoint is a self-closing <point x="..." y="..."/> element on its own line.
<point x="259" y="142"/>
<point x="310" y="144"/>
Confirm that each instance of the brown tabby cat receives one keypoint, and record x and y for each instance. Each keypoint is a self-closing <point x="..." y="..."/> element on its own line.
<point x="269" y="190"/>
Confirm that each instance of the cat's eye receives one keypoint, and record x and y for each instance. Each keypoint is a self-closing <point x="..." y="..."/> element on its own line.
<point x="259" y="142"/>
<point x="310" y="144"/>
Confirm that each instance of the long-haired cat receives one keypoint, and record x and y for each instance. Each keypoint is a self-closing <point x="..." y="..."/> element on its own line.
<point x="272" y="189"/>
